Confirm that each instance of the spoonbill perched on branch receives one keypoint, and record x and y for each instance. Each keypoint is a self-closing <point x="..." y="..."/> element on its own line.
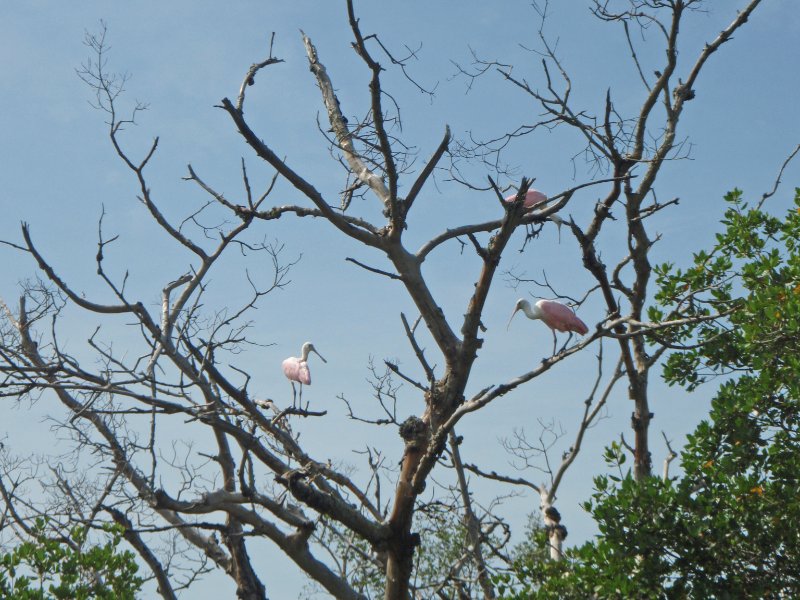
<point x="296" y="369"/>
<point x="555" y="315"/>
<point x="532" y="198"/>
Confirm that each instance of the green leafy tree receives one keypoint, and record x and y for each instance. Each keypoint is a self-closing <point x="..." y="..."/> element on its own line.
<point x="43" y="568"/>
<point x="730" y="526"/>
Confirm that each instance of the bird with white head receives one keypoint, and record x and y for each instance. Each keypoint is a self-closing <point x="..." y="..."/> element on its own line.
<point x="555" y="315"/>
<point x="296" y="369"/>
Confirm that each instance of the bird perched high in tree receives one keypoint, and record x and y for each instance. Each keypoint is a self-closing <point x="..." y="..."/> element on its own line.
<point x="555" y="315"/>
<point x="296" y="369"/>
<point x="534" y="198"/>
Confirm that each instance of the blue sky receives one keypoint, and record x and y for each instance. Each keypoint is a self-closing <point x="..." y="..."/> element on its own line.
<point x="57" y="170"/>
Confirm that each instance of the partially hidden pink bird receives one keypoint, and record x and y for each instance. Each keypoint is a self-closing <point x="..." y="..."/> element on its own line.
<point x="555" y="315"/>
<point x="296" y="369"/>
<point x="532" y="198"/>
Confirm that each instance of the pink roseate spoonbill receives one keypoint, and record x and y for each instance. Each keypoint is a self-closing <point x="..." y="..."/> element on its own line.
<point x="555" y="315"/>
<point x="532" y="198"/>
<point x="296" y="369"/>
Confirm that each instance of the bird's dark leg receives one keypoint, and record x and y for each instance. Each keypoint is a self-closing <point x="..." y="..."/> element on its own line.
<point x="294" y="394"/>
<point x="300" y="397"/>
<point x="554" y="341"/>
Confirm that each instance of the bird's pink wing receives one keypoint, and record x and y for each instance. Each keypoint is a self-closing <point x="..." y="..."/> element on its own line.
<point x="560" y="317"/>
<point x="291" y="368"/>
<point x="532" y="198"/>
<point x="578" y="326"/>
<point x="303" y="374"/>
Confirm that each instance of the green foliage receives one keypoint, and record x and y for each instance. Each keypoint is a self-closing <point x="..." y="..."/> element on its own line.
<point x="751" y="273"/>
<point x="730" y="527"/>
<point x="43" y="568"/>
<point x="531" y="566"/>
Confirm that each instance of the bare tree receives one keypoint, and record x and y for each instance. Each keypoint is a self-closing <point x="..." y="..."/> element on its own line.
<point x="186" y="512"/>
